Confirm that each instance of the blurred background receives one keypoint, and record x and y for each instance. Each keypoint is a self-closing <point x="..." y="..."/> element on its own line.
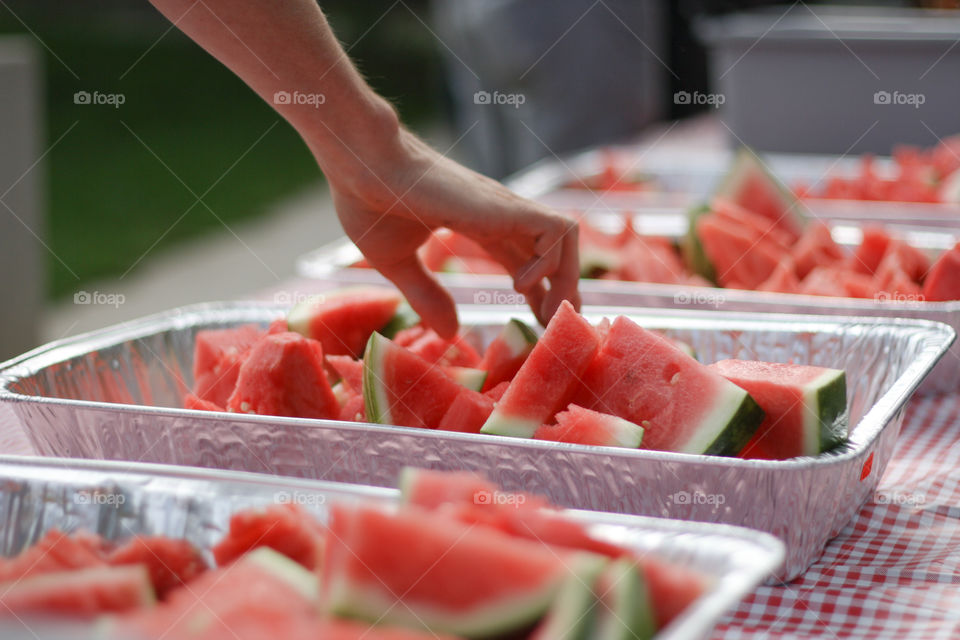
<point x="140" y="174"/>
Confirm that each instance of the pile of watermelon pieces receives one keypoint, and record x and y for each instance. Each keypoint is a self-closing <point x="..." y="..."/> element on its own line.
<point x="610" y="384"/>
<point x="919" y="175"/>
<point x="457" y="559"/>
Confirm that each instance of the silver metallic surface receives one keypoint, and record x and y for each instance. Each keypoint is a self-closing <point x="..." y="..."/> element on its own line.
<point x="67" y="393"/>
<point x="117" y="501"/>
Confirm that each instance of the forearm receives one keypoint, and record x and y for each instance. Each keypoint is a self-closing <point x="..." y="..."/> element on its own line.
<point x="288" y="46"/>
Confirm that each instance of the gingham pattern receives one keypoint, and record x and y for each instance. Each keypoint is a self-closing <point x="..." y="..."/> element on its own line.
<point x="894" y="572"/>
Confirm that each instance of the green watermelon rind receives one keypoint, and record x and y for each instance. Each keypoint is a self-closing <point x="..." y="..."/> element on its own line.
<point x="468" y="377"/>
<point x="629" y="612"/>
<point x="298" y="318"/>
<point x="403" y="318"/>
<point x="375" y="402"/>
<point x="287" y="570"/>
<point x="513" y="613"/>
<point x="735" y="418"/>
<point x="518" y="337"/>
<point x="692" y="248"/>
<point x="594" y="259"/>
<point x="626" y="434"/>
<point x="510" y="426"/>
<point x="573" y="613"/>
<point x="826" y="428"/>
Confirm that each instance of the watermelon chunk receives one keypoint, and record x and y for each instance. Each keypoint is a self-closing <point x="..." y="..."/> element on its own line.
<point x="583" y="426"/>
<point x="264" y="594"/>
<point x="943" y="279"/>
<point x="449" y="353"/>
<point x="750" y="185"/>
<point x="285" y="528"/>
<point x="691" y="249"/>
<point x="343" y="320"/>
<point x="401" y="388"/>
<point x="573" y="612"/>
<point x="467" y="413"/>
<point x="284" y="376"/>
<point x="672" y="588"/>
<point x="349" y="370"/>
<point x="624" y="610"/>
<point x="82" y="592"/>
<point x="681" y="404"/>
<point x="805" y="406"/>
<point x="507" y="353"/>
<point x="217" y="356"/>
<point x="815" y="248"/>
<point x="782" y="280"/>
<point x="738" y="260"/>
<point x="408" y="568"/>
<point x="754" y="225"/>
<point x="823" y="281"/>
<point x="171" y="563"/>
<point x="194" y="403"/>
<point x="497" y="392"/>
<point x="468" y="377"/>
<point x="548" y="377"/>
<point x="866" y="258"/>
<point x="353" y="409"/>
<point x="55" y="551"/>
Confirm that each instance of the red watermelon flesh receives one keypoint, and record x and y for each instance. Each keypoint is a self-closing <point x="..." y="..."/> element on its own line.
<point x="497" y="392"/>
<point x="56" y="551"/>
<point x="408" y="568"/>
<point x="754" y="225"/>
<point x="782" y="280"/>
<point x="217" y="356"/>
<point x="284" y="376"/>
<point x="353" y="409"/>
<point x="349" y="370"/>
<point x="577" y="425"/>
<point x="285" y="528"/>
<point x="641" y="261"/>
<point x="255" y="597"/>
<point x="171" y="563"/>
<point x="736" y="258"/>
<point x="548" y="377"/>
<point x="467" y="413"/>
<point x="752" y="187"/>
<point x="194" y="403"/>
<point x="816" y="248"/>
<point x="406" y="337"/>
<point x="866" y="258"/>
<point x="894" y="284"/>
<point x="401" y="388"/>
<point x="823" y="281"/>
<point x="506" y="353"/>
<point x="450" y="353"/>
<point x="444" y="244"/>
<point x="856" y="284"/>
<point x="278" y="326"/>
<point x="943" y="279"/>
<point x="672" y="588"/>
<point x="342" y="321"/>
<point x="84" y="592"/>
<point x="431" y="489"/>
<point x="681" y="404"/>
<point x="912" y="261"/>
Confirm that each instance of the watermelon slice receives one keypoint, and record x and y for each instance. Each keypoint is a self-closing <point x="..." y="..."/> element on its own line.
<point x="754" y="225"/>
<point x="468" y="377"/>
<point x="495" y="393"/>
<point x="171" y="563"/>
<point x="681" y="404"/>
<point x="449" y="353"/>
<point x="507" y="353"/>
<point x="403" y="318"/>
<point x="257" y="596"/>
<point x="805" y="406"/>
<point x="217" y="356"/>
<point x="672" y="588"/>
<point x="467" y="413"/>
<point x="823" y="281"/>
<point x="866" y="258"/>
<point x="284" y="376"/>
<point x="343" y="320"/>
<point x="55" y="551"/>
<point x="943" y="279"/>
<point x="408" y="568"/>
<point x="80" y="592"/>
<point x="350" y="371"/>
<point x="285" y="528"/>
<point x="548" y="377"/>
<point x="353" y="409"/>
<point x="583" y="426"/>
<point x="624" y="610"/>
<point x="738" y="260"/>
<point x="782" y="280"/>
<point x="750" y="185"/>
<point x="645" y="260"/>
<point x="691" y="249"/>
<point x="572" y="615"/>
<point x="401" y="388"/>
<point x="816" y="248"/>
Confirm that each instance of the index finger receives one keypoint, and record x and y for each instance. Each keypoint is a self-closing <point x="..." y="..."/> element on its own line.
<point x="564" y="281"/>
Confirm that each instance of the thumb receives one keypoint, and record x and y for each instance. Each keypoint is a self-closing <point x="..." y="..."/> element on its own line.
<point x="428" y="298"/>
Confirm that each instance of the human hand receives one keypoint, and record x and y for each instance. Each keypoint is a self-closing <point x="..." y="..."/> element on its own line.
<point x="411" y="190"/>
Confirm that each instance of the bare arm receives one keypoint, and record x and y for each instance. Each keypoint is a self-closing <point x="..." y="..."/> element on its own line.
<point x="390" y="189"/>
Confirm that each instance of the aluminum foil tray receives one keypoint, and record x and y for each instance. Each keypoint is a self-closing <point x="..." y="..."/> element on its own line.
<point x="118" y="501"/>
<point x="112" y="394"/>
<point x="683" y="178"/>
<point x="332" y="263"/>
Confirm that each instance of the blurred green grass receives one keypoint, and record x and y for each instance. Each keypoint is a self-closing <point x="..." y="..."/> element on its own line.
<point x="110" y="201"/>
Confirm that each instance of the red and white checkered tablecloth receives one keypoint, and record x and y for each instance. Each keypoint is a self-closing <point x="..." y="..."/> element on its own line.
<point x="893" y="573"/>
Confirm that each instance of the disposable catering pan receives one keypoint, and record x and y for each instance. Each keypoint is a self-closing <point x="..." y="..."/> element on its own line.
<point x="117" y="500"/>
<point x="333" y="263"/>
<point x="114" y="394"/>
